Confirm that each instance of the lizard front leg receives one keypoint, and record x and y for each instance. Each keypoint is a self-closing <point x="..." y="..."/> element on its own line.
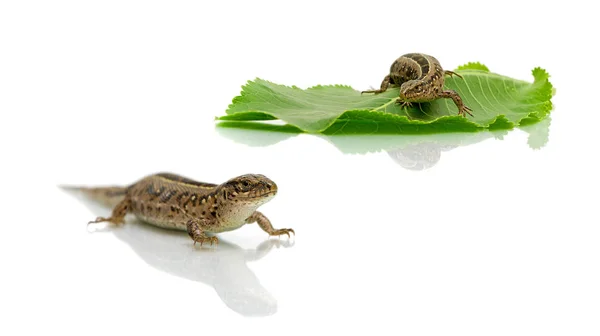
<point x="265" y="224"/>
<point x="118" y="214"/>
<point x="462" y="108"/>
<point x="384" y="86"/>
<point x="196" y="232"/>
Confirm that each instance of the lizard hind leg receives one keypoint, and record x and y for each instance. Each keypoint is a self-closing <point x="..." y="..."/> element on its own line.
<point x="452" y="73"/>
<point x="118" y="213"/>
<point x="385" y="84"/>
<point x="265" y="224"/>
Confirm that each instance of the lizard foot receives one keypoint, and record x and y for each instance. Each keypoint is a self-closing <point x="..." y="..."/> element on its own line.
<point x="403" y="103"/>
<point x="372" y="91"/>
<point x="464" y="110"/>
<point x="110" y="219"/>
<point x="280" y="232"/>
<point x="452" y="73"/>
<point x="207" y="240"/>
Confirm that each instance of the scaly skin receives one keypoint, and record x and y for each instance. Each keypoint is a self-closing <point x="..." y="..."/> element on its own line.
<point x="421" y="79"/>
<point x="175" y="202"/>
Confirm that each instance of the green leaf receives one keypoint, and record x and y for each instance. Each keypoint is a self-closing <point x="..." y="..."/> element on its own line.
<point x="473" y="66"/>
<point x="498" y="102"/>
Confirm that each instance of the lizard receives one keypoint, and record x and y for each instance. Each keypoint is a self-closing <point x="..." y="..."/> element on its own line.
<point x="421" y="79"/>
<point x="175" y="202"/>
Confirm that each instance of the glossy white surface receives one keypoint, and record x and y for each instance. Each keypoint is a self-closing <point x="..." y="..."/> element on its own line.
<point x="472" y="234"/>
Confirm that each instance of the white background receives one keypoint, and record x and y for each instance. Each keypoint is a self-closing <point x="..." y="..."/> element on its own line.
<point x="495" y="238"/>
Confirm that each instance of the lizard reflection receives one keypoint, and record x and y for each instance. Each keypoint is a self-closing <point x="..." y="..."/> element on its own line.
<point x="413" y="152"/>
<point x="424" y="155"/>
<point x="420" y="156"/>
<point x="224" y="268"/>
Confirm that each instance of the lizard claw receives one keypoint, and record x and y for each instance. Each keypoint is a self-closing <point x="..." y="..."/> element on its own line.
<point x="464" y="110"/>
<point x="452" y="73"/>
<point x="97" y="220"/>
<point x="371" y="91"/>
<point x="403" y="103"/>
<point x="280" y="232"/>
<point x="103" y="219"/>
<point x="202" y="240"/>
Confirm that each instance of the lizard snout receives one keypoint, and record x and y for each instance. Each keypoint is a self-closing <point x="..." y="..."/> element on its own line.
<point x="269" y="185"/>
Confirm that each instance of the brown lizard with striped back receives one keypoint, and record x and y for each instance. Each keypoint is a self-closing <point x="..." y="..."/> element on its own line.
<point x="421" y="79"/>
<point x="176" y="202"/>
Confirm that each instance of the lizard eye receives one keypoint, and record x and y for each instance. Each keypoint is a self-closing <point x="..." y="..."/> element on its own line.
<point x="245" y="183"/>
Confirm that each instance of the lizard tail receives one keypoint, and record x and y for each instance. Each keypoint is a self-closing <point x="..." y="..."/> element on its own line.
<point x="108" y="196"/>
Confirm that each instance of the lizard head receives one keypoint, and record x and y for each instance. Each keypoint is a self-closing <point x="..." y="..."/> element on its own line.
<point x="249" y="188"/>
<point x="411" y="89"/>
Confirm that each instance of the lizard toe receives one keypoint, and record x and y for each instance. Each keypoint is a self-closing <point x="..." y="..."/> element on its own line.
<point x="280" y="232"/>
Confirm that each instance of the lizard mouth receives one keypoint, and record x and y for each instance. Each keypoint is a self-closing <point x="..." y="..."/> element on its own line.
<point x="263" y="194"/>
<point x="258" y="195"/>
